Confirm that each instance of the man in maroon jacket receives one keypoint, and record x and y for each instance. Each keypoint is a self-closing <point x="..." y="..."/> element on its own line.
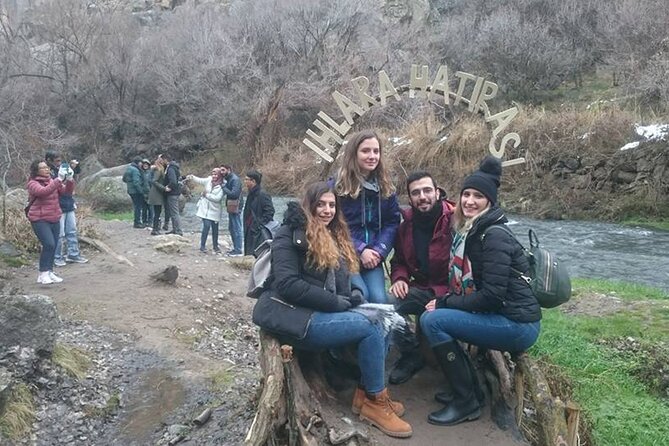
<point x="419" y="267"/>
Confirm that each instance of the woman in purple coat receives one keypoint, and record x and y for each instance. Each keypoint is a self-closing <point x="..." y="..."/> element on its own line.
<point x="371" y="209"/>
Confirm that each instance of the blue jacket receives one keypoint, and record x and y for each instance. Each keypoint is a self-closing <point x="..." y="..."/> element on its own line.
<point x="233" y="187"/>
<point x="372" y="220"/>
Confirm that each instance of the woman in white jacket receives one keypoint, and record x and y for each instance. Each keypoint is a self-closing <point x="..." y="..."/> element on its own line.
<point x="209" y="207"/>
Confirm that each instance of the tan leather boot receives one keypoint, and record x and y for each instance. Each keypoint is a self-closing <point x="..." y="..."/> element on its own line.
<point x="378" y="411"/>
<point x="359" y="398"/>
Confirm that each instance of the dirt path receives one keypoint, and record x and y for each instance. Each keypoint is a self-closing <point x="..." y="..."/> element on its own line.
<point x="197" y="332"/>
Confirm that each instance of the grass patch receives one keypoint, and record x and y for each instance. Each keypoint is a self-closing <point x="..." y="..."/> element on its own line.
<point x="16" y="421"/>
<point x="107" y="215"/>
<point x="14" y="262"/>
<point x="220" y="381"/>
<point x="620" y="395"/>
<point x="73" y="360"/>
<point x="623" y="290"/>
<point x="662" y="225"/>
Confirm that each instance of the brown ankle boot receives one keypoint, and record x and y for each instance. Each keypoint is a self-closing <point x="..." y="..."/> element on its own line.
<point x="359" y="398"/>
<point x="378" y="411"/>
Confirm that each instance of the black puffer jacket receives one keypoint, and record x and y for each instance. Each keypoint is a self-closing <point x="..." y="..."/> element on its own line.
<point x="295" y="282"/>
<point x="498" y="288"/>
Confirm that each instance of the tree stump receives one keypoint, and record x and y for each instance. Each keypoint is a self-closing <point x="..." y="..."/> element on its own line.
<point x="295" y="406"/>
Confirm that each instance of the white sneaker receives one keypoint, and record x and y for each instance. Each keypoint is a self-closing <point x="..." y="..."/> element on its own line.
<point x="54" y="278"/>
<point x="44" y="278"/>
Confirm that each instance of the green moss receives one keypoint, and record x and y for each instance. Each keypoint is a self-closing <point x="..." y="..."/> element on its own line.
<point x="661" y="224"/>
<point x="108" y="215"/>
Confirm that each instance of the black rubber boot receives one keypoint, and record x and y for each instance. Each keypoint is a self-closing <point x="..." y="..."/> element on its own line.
<point x="465" y="405"/>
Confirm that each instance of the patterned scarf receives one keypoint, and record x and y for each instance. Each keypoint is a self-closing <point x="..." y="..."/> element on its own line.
<point x="460" y="278"/>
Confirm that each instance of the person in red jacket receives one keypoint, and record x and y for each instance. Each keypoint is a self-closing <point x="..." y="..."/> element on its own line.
<point x="44" y="213"/>
<point x="419" y="267"/>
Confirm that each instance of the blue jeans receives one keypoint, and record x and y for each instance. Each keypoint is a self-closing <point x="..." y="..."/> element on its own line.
<point x="492" y="331"/>
<point x="147" y="214"/>
<point x="137" y="208"/>
<point x="372" y="282"/>
<point x="47" y="234"/>
<point x="332" y="330"/>
<point x="68" y="235"/>
<point x="206" y="225"/>
<point x="235" y="228"/>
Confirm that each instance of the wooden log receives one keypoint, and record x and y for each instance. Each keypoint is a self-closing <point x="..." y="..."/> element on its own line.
<point x="550" y="411"/>
<point x="573" y="419"/>
<point x="290" y="402"/>
<point x="103" y="247"/>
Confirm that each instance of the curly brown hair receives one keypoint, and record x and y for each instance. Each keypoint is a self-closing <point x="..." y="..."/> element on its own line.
<point x="327" y="244"/>
<point x="350" y="179"/>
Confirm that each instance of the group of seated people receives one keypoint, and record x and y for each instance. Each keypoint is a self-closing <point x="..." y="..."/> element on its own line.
<point x="328" y="256"/>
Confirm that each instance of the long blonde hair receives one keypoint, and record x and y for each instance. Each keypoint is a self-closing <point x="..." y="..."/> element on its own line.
<point x="350" y="179"/>
<point x="327" y="244"/>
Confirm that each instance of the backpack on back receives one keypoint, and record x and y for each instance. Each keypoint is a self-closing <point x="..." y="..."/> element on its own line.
<point x="261" y="271"/>
<point x="548" y="277"/>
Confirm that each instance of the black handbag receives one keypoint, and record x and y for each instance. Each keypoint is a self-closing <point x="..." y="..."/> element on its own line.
<point x="277" y="316"/>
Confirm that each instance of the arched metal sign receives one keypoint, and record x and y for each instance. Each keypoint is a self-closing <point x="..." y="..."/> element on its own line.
<point x="471" y="90"/>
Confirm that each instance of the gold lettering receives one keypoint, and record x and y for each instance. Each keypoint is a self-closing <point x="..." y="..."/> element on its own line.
<point x="489" y="91"/>
<point x="342" y="128"/>
<point x="360" y="85"/>
<point x="418" y="82"/>
<point x="317" y="149"/>
<point x="386" y="88"/>
<point x="475" y="94"/>
<point x="347" y="106"/>
<point x="440" y="83"/>
<point x="464" y="77"/>
<point x="503" y="119"/>
<point x="499" y="153"/>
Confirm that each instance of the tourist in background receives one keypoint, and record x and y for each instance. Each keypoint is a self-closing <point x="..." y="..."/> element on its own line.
<point x="157" y="193"/>
<point x="147" y="211"/>
<point x="44" y="213"/>
<point x="234" y="205"/>
<point x="173" y="190"/>
<point x="488" y="305"/>
<point x="258" y="211"/>
<point x="67" y="250"/>
<point x="371" y="209"/>
<point x="134" y="181"/>
<point x="209" y="207"/>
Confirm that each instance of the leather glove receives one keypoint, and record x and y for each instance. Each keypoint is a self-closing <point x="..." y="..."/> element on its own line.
<point x="357" y="298"/>
<point x="343" y="303"/>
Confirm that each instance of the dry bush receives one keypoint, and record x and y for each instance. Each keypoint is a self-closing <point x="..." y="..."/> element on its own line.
<point x="289" y="167"/>
<point x="87" y="223"/>
<point x="18" y="231"/>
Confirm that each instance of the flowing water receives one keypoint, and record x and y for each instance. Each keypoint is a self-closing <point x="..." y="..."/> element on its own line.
<point x="590" y="249"/>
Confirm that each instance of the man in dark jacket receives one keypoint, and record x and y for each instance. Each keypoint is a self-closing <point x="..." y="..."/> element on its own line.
<point x="68" y="219"/>
<point x="172" y="192"/>
<point x="134" y="181"/>
<point x="258" y="211"/>
<point x="234" y="204"/>
<point x="419" y="267"/>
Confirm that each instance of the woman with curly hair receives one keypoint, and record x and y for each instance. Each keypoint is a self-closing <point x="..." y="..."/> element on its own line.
<point x="310" y="296"/>
<point x="370" y="207"/>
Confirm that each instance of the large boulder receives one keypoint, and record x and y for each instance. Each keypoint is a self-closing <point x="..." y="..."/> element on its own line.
<point x="28" y="321"/>
<point x="108" y="194"/>
<point x="88" y="180"/>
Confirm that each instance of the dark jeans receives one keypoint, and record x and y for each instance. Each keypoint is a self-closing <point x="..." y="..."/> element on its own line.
<point x="492" y="331"/>
<point x="414" y="303"/>
<point x="147" y="214"/>
<point x="137" y="208"/>
<point x="48" y="235"/>
<point x="156" y="217"/>
<point x="332" y="330"/>
<point x="206" y="225"/>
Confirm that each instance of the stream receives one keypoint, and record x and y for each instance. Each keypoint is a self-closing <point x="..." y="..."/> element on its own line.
<point x="590" y="249"/>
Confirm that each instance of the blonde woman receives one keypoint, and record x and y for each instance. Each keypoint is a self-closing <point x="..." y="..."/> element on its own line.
<point x="370" y="207"/>
<point x="489" y="305"/>
<point x="311" y="294"/>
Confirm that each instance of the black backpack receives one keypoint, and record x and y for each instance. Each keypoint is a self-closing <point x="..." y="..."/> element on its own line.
<point x="548" y="277"/>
